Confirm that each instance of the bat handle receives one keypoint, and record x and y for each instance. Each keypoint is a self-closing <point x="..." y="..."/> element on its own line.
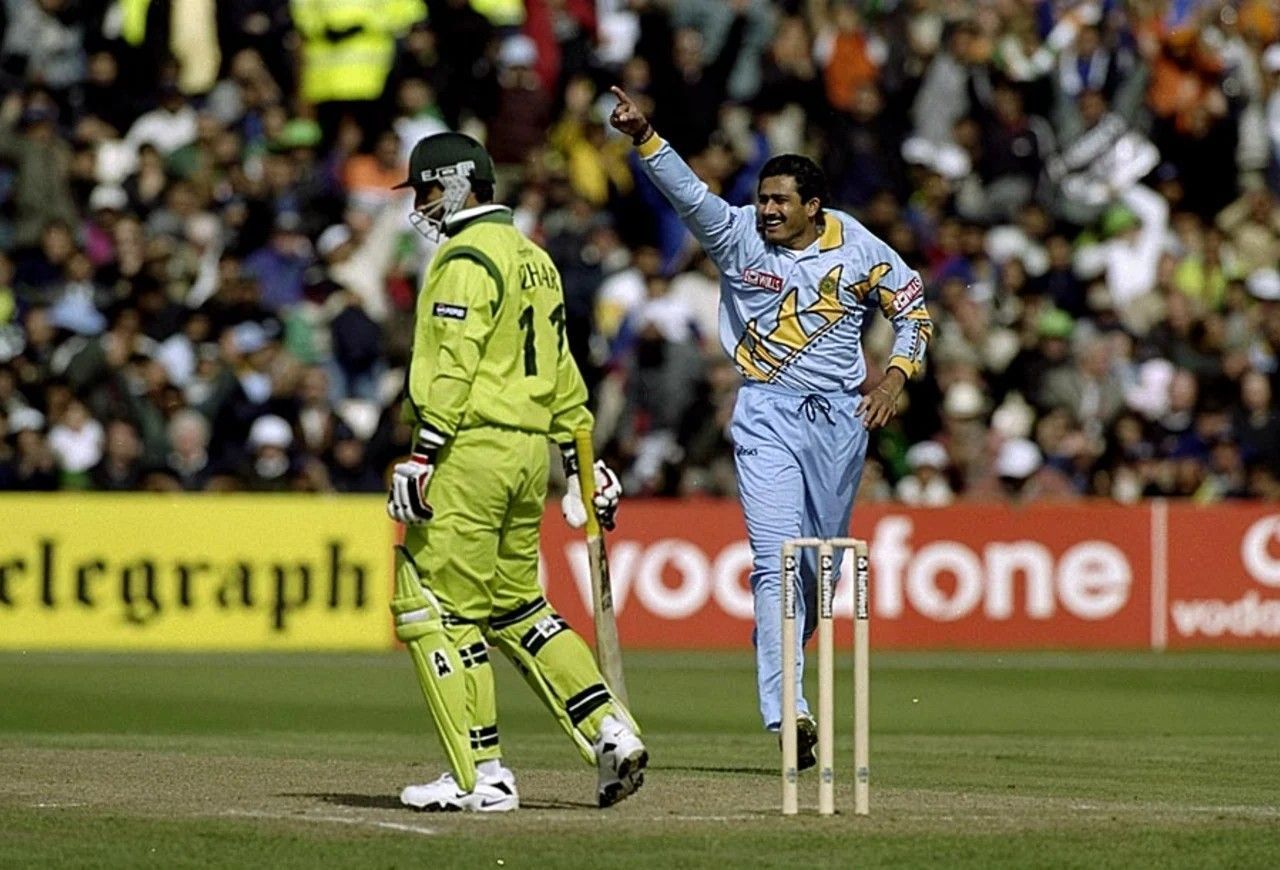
<point x="587" y="479"/>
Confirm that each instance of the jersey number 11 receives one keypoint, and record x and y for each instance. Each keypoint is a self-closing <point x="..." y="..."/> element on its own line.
<point x="530" y="337"/>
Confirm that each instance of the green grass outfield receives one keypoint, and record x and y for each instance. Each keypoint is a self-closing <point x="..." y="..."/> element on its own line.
<point x="978" y="760"/>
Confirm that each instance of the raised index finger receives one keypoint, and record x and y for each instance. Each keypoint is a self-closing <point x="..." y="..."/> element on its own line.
<point x="620" y="94"/>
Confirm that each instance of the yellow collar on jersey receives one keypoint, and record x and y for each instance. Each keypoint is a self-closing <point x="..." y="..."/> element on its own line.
<point x="832" y="234"/>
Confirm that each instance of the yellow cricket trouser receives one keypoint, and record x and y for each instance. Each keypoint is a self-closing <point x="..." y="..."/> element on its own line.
<point x="479" y="553"/>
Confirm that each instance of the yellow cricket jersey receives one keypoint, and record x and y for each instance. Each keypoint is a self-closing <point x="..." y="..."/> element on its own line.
<point x="489" y="343"/>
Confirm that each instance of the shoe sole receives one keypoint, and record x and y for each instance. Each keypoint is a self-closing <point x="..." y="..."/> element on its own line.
<point x="437" y="807"/>
<point x="459" y="806"/>
<point x="630" y="778"/>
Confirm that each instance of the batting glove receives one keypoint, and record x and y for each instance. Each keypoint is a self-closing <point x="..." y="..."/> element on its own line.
<point x="407" y="501"/>
<point x="607" y="492"/>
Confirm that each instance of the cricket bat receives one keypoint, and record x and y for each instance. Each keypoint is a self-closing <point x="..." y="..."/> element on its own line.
<point x="608" y="650"/>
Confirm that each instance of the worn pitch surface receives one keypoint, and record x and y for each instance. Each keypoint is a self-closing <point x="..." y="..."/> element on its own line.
<point x="1014" y="760"/>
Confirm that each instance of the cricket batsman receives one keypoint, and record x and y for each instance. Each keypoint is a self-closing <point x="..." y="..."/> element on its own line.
<point x="799" y="283"/>
<point x="490" y="381"/>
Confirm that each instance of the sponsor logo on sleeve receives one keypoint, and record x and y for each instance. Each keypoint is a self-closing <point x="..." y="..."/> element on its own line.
<point x="453" y="312"/>
<point x="763" y="280"/>
<point x="904" y="297"/>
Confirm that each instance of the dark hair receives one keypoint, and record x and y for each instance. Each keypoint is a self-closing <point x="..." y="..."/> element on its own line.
<point x="483" y="190"/>
<point x="811" y="182"/>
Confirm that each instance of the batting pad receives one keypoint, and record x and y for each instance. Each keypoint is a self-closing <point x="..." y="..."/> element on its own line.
<point x="558" y="665"/>
<point x="443" y="673"/>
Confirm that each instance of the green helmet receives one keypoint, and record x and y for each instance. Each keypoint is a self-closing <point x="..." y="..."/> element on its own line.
<point x="454" y="161"/>
<point x="445" y="154"/>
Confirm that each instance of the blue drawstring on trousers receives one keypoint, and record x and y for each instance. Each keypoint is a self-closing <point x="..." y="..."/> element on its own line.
<point x="814" y="404"/>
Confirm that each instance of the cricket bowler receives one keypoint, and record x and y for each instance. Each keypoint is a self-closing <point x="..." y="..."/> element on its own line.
<point x="490" y="381"/>
<point x="798" y="285"/>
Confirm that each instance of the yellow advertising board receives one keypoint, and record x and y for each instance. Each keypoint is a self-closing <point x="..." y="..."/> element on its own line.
<point x="205" y="572"/>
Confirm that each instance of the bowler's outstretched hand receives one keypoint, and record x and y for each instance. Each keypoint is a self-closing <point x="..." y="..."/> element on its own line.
<point x="627" y="118"/>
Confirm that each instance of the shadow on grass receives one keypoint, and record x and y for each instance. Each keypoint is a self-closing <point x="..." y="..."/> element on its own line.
<point x="556" y="805"/>
<point x="344" y="799"/>
<point x="733" y="771"/>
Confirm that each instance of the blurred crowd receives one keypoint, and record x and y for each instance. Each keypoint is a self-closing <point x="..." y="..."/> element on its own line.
<point x="206" y="282"/>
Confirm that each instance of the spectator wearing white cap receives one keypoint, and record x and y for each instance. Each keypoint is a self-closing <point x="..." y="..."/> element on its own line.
<point x="964" y="414"/>
<point x="926" y="485"/>
<point x="1019" y="474"/>
<point x="268" y="467"/>
<point x="1264" y="285"/>
<point x="1018" y="459"/>
<point x="109" y="198"/>
<point x="331" y="243"/>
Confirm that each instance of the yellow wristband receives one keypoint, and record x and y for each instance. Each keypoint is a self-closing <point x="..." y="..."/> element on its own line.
<point x="649" y="146"/>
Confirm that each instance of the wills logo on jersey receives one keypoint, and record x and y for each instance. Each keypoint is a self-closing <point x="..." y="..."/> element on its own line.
<point x="764" y="280"/>
<point x="904" y="297"/>
<point x="452" y="312"/>
<point x="763" y="357"/>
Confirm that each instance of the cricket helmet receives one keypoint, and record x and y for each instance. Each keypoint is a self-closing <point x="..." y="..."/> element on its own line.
<point x="454" y="161"/>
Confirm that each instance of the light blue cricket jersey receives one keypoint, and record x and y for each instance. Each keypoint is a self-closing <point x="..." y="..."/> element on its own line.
<point x="794" y="319"/>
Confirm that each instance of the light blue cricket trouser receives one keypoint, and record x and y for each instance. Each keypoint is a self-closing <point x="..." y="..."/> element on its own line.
<point x="799" y="459"/>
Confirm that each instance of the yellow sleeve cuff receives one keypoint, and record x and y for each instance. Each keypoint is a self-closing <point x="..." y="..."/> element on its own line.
<point x="905" y="365"/>
<point x="650" y="146"/>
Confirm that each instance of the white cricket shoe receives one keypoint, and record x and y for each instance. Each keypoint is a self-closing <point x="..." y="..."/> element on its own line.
<point x="620" y="759"/>
<point x="493" y="794"/>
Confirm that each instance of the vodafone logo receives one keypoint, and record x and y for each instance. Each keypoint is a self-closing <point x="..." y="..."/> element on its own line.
<point x="947" y="580"/>
<point x="1260" y="551"/>
<point x="1250" y="615"/>
<point x="675" y="578"/>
